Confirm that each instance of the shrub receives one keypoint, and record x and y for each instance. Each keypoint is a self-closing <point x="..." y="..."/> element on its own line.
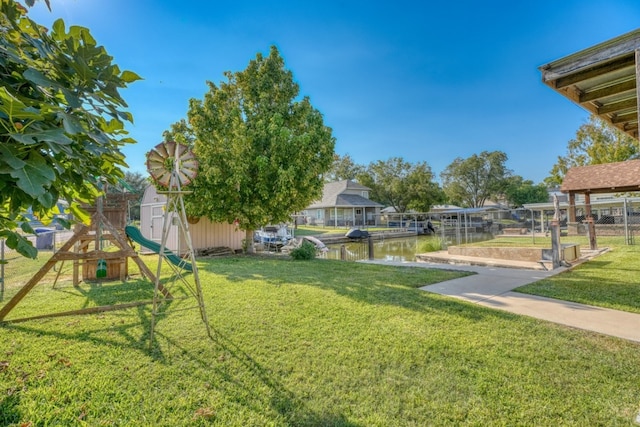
<point x="306" y="251"/>
<point x="432" y="245"/>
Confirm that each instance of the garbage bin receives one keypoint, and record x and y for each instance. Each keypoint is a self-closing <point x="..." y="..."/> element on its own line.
<point x="44" y="238"/>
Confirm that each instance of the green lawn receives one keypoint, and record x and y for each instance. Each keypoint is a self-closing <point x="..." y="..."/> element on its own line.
<point x="307" y="343"/>
<point x="610" y="280"/>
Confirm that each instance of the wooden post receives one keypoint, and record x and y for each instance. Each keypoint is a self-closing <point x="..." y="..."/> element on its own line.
<point x="370" y="241"/>
<point x="343" y="253"/>
<point x="591" y="226"/>
<point x="572" y="207"/>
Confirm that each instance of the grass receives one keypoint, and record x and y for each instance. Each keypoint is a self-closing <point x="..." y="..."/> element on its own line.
<point x="307" y="343"/>
<point x="610" y="280"/>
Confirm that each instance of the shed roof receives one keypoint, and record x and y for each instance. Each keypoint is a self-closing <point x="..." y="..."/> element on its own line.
<point x="602" y="79"/>
<point x="604" y="178"/>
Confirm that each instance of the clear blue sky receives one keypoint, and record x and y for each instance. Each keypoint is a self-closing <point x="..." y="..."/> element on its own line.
<point x="423" y="80"/>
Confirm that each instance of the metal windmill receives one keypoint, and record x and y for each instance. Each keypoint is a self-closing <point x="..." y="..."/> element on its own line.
<point x="173" y="166"/>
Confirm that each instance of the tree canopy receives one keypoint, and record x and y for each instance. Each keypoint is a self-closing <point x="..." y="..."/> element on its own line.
<point x="262" y="151"/>
<point x="343" y="167"/>
<point x="61" y="120"/>
<point x="519" y="191"/>
<point x="403" y="185"/>
<point x="470" y="182"/>
<point x="596" y="142"/>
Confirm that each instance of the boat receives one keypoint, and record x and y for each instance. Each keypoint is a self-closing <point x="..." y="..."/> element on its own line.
<point x="273" y="237"/>
<point x="297" y="242"/>
<point x="357" y="234"/>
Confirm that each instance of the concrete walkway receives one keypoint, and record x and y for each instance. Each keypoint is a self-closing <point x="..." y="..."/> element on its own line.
<point x="493" y="286"/>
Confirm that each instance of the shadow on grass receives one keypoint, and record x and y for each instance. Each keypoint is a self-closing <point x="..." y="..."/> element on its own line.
<point x="237" y="388"/>
<point x="9" y="414"/>
<point x="373" y="284"/>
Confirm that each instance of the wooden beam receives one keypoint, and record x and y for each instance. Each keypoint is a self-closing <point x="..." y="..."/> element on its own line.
<point x="637" y="115"/>
<point x="40" y="274"/>
<point x="614" y="89"/>
<point x="618" y="106"/>
<point x="596" y="70"/>
<point x="629" y="116"/>
<point x="89" y="310"/>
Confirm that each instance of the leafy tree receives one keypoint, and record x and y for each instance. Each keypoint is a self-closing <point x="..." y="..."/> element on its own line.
<point x="262" y="152"/>
<point x="520" y="191"/>
<point x="401" y="184"/>
<point x="343" y="167"/>
<point x="61" y="120"/>
<point x="133" y="182"/>
<point x="596" y="142"/>
<point x="470" y="182"/>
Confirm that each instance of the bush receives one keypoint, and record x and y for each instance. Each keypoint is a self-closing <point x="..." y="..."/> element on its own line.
<point x="306" y="251"/>
<point x="432" y="245"/>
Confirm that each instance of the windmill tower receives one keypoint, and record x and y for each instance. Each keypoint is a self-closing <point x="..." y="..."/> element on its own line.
<point x="174" y="166"/>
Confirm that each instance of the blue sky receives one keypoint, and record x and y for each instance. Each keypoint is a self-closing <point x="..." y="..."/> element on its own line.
<point x="423" y="80"/>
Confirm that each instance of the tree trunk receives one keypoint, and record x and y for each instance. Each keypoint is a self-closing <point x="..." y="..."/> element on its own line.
<point x="249" y="241"/>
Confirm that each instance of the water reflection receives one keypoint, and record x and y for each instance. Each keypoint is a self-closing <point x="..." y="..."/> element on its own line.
<point x="398" y="249"/>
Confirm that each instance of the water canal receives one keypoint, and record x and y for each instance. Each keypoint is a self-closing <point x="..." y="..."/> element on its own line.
<point x="391" y="249"/>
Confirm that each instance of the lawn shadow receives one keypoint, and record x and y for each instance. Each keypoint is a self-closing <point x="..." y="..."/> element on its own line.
<point x="366" y="283"/>
<point x="9" y="414"/>
<point x="237" y="387"/>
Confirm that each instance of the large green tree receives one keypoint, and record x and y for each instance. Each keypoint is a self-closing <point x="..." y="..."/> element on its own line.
<point x="470" y="182"/>
<point x="262" y="149"/>
<point x="403" y="185"/>
<point x="519" y="191"/>
<point x="343" y="167"/>
<point x="61" y="120"/>
<point x="596" y="142"/>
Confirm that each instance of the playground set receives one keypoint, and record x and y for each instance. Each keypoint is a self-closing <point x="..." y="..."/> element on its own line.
<point x="172" y="166"/>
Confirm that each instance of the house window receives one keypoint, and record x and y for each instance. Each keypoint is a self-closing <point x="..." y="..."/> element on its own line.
<point x="358" y="211"/>
<point x="319" y="214"/>
<point x="365" y="194"/>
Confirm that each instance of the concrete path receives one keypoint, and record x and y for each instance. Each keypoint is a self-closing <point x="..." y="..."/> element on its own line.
<point x="492" y="287"/>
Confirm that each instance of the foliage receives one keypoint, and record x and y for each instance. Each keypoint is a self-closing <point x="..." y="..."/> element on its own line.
<point x="343" y="167"/>
<point x="133" y="182"/>
<point x="519" y="191"/>
<point x="61" y="120"/>
<point x="401" y="184"/>
<point x="307" y="344"/>
<point x="471" y="182"/>
<point x="596" y="142"/>
<point x="262" y="153"/>
<point x="433" y="244"/>
<point x="306" y="251"/>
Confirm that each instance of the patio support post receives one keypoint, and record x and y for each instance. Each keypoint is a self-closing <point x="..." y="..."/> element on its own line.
<point x="638" y="79"/>
<point x="591" y="226"/>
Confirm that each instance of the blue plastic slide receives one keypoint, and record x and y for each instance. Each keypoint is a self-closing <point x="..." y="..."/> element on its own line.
<point x="135" y="235"/>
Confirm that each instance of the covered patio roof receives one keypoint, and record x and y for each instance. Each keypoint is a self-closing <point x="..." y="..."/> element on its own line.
<point x="603" y="79"/>
<point x="619" y="177"/>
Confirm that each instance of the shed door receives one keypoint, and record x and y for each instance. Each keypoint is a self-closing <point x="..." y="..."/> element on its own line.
<point x="157" y="218"/>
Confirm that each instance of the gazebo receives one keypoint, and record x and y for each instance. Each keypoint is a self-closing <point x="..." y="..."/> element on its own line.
<point x="619" y="177"/>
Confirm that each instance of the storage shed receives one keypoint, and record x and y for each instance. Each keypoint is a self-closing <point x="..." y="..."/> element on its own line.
<point x="204" y="233"/>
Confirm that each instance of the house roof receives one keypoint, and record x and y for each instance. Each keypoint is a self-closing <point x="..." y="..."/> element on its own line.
<point x="605" y="178"/>
<point x="332" y="196"/>
<point x="602" y="79"/>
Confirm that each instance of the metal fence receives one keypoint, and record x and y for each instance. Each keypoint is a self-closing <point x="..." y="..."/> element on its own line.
<point x="617" y="217"/>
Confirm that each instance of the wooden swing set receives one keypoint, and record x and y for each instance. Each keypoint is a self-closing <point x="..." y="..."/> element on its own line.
<point x="85" y="249"/>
